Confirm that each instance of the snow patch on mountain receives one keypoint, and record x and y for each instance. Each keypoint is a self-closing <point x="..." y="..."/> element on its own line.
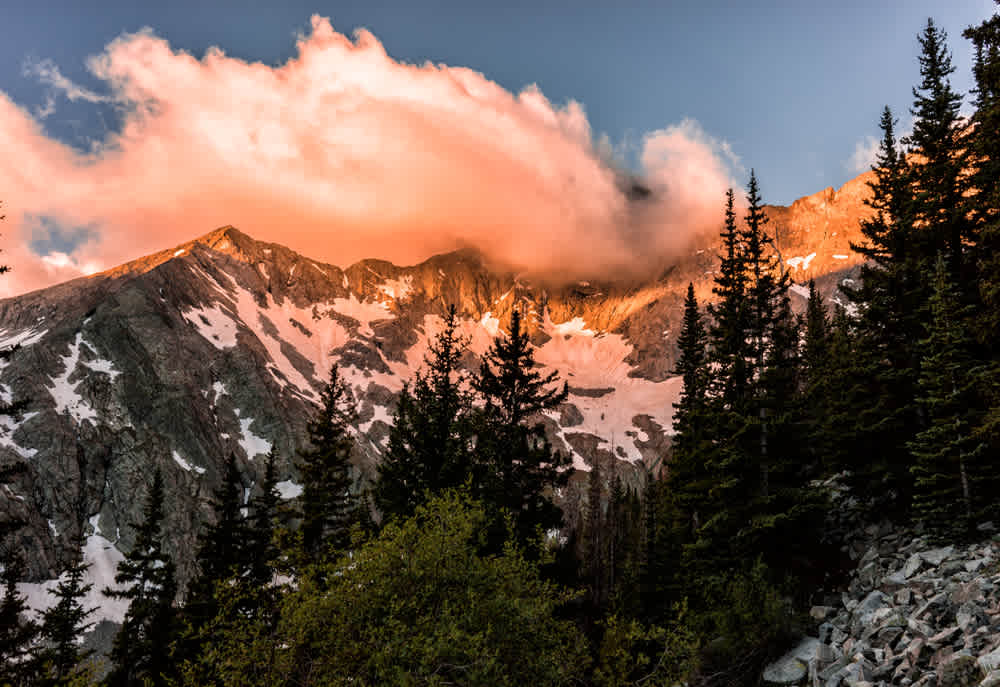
<point x="64" y="393"/>
<point x="8" y="428"/>
<point x="251" y="443"/>
<point x="186" y="465"/>
<point x="288" y="489"/>
<point x="214" y="324"/>
<point x="397" y="289"/>
<point x="586" y="359"/>
<point x="799" y="290"/>
<point x="102" y="557"/>
<point x="24" y="338"/>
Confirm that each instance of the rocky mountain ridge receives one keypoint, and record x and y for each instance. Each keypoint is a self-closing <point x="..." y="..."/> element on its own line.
<point x="220" y="345"/>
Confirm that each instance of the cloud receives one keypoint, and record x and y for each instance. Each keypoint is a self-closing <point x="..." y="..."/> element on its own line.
<point x="343" y="153"/>
<point x="863" y="157"/>
<point x="48" y="73"/>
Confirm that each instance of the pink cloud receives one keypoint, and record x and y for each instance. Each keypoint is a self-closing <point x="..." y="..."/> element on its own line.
<point x="344" y="153"/>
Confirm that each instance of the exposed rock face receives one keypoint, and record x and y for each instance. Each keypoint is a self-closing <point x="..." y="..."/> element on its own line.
<point x="220" y="347"/>
<point x="814" y="233"/>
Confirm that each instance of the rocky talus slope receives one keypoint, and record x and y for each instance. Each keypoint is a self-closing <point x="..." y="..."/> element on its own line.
<point x="913" y="614"/>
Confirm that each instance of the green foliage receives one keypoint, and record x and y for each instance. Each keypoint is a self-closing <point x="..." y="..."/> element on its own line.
<point x="744" y="622"/>
<point x="631" y="653"/>
<point x="18" y="632"/>
<point x="421" y="605"/>
<point x="239" y="643"/>
<point x="145" y="578"/>
<point x="65" y="622"/>
<point x="327" y="507"/>
<point x="948" y="466"/>
<point x="518" y="466"/>
<point x="431" y="439"/>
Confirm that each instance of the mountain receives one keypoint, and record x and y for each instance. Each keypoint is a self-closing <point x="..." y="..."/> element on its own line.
<point x="220" y="346"/>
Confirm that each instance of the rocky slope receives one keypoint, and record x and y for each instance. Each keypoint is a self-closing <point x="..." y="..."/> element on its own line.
<point x="220" y="346"/>
<point x="913" y="613"/>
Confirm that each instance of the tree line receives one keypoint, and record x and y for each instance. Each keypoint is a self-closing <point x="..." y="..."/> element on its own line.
<point x="455" y="567"/>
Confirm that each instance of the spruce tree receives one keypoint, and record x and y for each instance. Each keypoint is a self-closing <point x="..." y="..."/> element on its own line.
<point x="984" y="212"/>
<point x="261" y="525"/>
<point x="326" y="503"/>
<point x="728" y="353"/>
<point x="816" y="346"/>
<point x="65" y="623"/>
<point x="18" y="632"/>
<point x="947" y="453"/>
<point x="689" y="478"/>
<point x="222" y="554"/>
<point x="984" y="203"/>
<point x="222" y="542"/>
<point x="140" y="653"/>
<point x="938" y="167"/>
<point x="593" y="539"/>
<point x="430" y="443"/>
<point x="889" y="303"/>
<point x="520" y="468"/>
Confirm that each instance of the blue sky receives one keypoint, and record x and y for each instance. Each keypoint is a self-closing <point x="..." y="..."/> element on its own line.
<point x="690" y="94"/>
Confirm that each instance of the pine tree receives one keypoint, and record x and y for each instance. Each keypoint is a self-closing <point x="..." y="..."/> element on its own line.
<point x="594" y="554"/>
<point x="727" y="333"/>
<point x="816" y="347"/>
<point x="889" y="304"/>
<point x="984" y="212"/>
<point x="326" y="502"/>
<point x="222" y="543"/>
<point x="984" y="145"/>
<point x="222" y="554"/>
<point x="65" y="623"/>
<point x="262" y="551"/>
<point x="430" y="443"/>
<point x="145" y="578"/>
<point x="520" y="468"/>
<point x="689" y="478"/>
<point x="18" y="632"/>
<point x="947" y="453"/>
<point x="937" y="167"/>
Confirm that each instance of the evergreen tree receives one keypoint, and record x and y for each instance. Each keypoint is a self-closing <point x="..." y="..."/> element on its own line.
<point x="938" y="168"/>
<point x="984" y="145"/>
<point x="430" y="442"/>
<point x="728" y="353"/>
<point x="261" y="525"/>
<point x="222" y="554"/>
<point x="18" y="632"/>
<point x="326" y="502"/>
<point x="816" y="347"/>
<point x="889" y="304"/>
<point x="65" y="623"/>
<point x="221" y="543"/>
<point x="984" y="212"/>
<point x="947" y="453"/>
<point x="519" y="466"/>
<point x="594" y="556"/>
<point x="689" y="477"/>
<point x="145" y="578"/>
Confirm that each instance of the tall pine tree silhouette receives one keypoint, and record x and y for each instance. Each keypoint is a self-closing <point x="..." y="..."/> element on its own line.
<point x="430" y="443"/>
<point x="520" y="466"/>
<point x="327" y="506"/>
<point x="65" y="623"/>
<point x="145" y="578"/>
